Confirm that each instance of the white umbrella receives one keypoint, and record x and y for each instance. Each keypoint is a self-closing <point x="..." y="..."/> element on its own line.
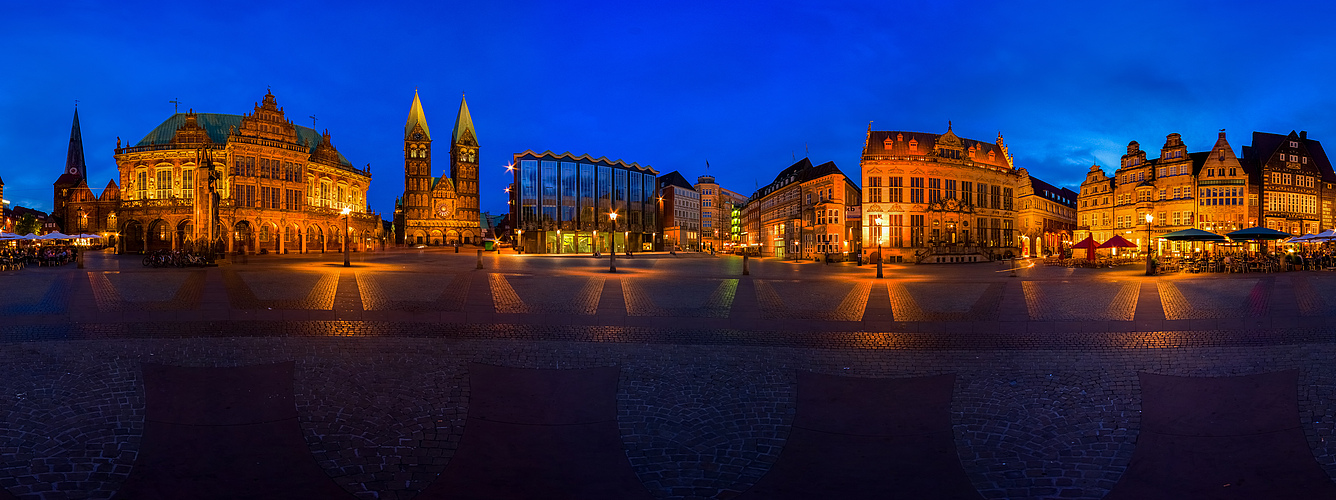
<point x="1323" y="236"/>
<point x="30" y="236"/>
<point x="56" y="236"/>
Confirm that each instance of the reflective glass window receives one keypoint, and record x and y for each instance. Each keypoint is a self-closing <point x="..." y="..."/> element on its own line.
<point x="586" y="193"/>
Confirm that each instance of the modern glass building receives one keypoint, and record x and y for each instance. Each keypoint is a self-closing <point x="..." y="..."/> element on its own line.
<point x="563" y="203"/>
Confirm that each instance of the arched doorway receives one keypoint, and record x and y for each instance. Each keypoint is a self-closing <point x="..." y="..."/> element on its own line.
<point x="291" y="238"/>
<point x="468" y="238"/>
<point x="185" y="235"/>
<point x="419" y="237"/>
<point x="268" y="237"/>
<point x="314" y="237"/>
<point x="132" y="236"/>
<point x="435" y="237"/>
<point x="451" y="237"/>
<point x="242" y="237"/>
<point x="159" y="236"/>
<point x="367" y="243"/>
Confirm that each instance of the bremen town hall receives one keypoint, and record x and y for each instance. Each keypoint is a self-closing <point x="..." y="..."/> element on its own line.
<point x="251" y="183"/>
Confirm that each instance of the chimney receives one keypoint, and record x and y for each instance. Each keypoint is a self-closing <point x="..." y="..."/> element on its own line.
<point x="1303" y="135"/>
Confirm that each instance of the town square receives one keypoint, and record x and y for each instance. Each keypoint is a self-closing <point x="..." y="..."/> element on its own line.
<point x="733" y="251"/>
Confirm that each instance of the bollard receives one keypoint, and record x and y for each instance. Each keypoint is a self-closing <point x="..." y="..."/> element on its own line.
<point x="1013" y="267"/>
<point x="745" y="271"/>
<point x="456" y="248"/>
<point x="479" y="258"/>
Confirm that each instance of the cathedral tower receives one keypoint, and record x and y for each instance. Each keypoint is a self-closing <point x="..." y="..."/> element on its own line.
<point x="417" y="163"/>
<point x="464" y="164"/>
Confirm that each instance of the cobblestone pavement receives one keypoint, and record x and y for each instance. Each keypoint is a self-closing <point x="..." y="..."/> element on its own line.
<point x="1046" y="402"/>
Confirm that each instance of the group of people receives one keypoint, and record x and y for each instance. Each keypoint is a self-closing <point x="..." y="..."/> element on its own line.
<point x="17" y="258"/>
<point x="1235" y="261"/>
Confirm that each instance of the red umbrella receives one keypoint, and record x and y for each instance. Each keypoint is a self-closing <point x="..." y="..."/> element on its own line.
<point x="1088" y="244"/>
<point x="1117" y="242"/>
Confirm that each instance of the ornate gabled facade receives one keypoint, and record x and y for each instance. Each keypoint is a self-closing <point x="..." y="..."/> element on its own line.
<point x="244" y="182"/>
<point x="1293" y="174"/>
<point x="439" y="210"/>
<point x="938" y="198"/>
<point x="1211" y="190"/>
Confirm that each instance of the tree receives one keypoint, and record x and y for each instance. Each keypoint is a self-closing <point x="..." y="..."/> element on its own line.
<point x="28" y="224"/>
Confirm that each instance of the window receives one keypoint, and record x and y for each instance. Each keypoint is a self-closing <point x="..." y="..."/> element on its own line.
<point x="916" y="190"/>
<point x="934" y="190"/>
<point x="1294" y="144"/>
<point x="187" y="183"/>
<point x="896" y="189"/>
<point x="164" y="185"/>
<point x="1233" y="171"/>
<point x="950" y="189"/>
<point x="982" y="195"/>
<point x="966" y="192"/>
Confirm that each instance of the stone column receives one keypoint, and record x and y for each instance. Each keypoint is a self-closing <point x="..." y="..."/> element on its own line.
<point x="283" y="241"/>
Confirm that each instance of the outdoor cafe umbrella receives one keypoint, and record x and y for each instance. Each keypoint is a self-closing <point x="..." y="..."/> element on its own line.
<point x="1117" y="242"/>
<point x="1192" y="235"/>
<point x="1258" y="233"/>
<point x="1088" y="244"/>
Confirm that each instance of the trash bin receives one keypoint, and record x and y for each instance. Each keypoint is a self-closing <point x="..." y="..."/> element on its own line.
<point x="489" y="245"/>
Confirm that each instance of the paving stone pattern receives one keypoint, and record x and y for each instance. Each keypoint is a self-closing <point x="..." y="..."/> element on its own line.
<point x="281" y="290"/>
<point x="116" y="291"/>
<point x="1040" y="409"/>
<point x="793" y="299"/>
<point x="1069" y="301"/>
<point x="702" y="298"/>
<point x="945" y="301"/>
<point x="412" y="292"/>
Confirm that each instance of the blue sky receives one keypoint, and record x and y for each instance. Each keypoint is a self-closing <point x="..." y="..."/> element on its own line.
<point x="747" y="86"/>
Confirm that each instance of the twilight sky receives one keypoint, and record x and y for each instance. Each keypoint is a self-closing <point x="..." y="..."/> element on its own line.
<point x="747" y="86"/>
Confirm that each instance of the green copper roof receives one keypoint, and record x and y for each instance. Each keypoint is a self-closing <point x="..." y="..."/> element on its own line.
<point x="218" y="126"/>
<point x="415" y="115"/>
<point x="464" y="121"/>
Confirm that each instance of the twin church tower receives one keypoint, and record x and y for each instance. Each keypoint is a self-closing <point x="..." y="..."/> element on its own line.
<point x="439" y="210"/>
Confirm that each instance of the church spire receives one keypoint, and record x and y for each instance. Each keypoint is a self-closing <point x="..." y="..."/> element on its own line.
<point x="74" y="159"/>
<point x="464" y="122"/>
<point x="416" y="117"/>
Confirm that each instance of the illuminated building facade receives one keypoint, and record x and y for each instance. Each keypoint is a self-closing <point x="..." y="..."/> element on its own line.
<point x="439" y="209"/>
<point x="1047" y="217"/>
<point x="938" y="198"/>
<point x="267" y="184"/>
<point x="561" y="204"/>
<point x="801" y="214"/>
<point x="1281" y="181"/>
<point x="681" y="215"/>
<point x="716" y="211"/>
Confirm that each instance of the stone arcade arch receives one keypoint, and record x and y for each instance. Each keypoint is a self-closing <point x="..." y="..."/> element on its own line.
<point x="159" y="236"/>
<point x="132" y="237"/>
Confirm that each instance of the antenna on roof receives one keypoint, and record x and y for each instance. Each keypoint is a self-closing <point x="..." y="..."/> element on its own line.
<point x="176" y="105"/>
<point x="313" y="119"/>
<point x="76" y="104"/>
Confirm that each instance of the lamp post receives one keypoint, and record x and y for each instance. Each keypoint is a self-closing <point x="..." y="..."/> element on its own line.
<point x="346" y="214"/>
<point x="612" y="243"/>
<point x="880" y="256"/>
<point x="1150" y="271"/>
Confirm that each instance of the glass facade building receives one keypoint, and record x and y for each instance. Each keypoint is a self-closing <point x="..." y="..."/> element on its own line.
<point x="561" y="204"/>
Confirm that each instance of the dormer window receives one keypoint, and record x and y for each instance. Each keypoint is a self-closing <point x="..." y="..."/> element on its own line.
<point x="913" y="146"/>
<point x="992" y="155"/>
<point x="887" y="143"/>
<point x="900" y="137"/>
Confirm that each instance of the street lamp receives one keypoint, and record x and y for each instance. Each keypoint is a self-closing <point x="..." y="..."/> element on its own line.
<point x="880" y="256"/>
<point x="612" y="243"/>
<point x="346" y="214"/>
<point x="1150" y="271"/>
